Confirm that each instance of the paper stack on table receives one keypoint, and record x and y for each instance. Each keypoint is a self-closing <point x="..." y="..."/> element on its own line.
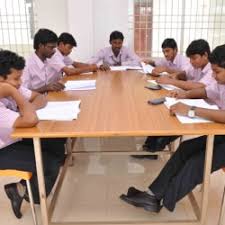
<point x="124" y="68"/>
<point x="168" y="87"/>
<point x="192" y="102"/>
<point x="80" y="85"/>
<point x="63" y="111"/>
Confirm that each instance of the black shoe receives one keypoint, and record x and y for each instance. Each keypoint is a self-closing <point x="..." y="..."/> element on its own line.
<point x="15" y="198"/>
<point x="150" y="157"/>
<point x="142" y="199"/>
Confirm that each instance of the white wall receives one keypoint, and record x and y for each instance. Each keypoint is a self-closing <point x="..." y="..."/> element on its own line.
<point x="90" y="21"/>
<point x="52" y="14"/>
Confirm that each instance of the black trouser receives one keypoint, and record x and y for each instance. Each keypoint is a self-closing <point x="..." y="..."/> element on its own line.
<point x="20" y="156"/>
<point x="159" y="142"/>
<point x="185" y="168"/>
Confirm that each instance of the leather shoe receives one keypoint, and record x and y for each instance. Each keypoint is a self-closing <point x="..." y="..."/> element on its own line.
<point x="150" y="157"/>
<point x="142" y="199"/>
<point x="15" y="198"/>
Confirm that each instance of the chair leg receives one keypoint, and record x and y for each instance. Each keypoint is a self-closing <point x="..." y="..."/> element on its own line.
<point x="31" y="202"/>
<point x="222" y="209"/>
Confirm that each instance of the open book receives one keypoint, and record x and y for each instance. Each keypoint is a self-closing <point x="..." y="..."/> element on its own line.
<point x="192" y="102"/>
<point x="63" y="110"/>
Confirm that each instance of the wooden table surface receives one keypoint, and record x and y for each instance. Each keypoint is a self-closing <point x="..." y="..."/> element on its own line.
<point x="118" y="107"/>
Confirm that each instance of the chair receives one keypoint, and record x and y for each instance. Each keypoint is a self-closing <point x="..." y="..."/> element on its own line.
<point x="25" y="176"/>
<point x="222" y="208"/>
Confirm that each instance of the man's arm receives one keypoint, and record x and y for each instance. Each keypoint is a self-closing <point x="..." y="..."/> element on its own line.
<point x="194" y="93"/>
<point x="185" y="85"/>
<point x="55" y="86"/>
<point x="38" y="100"/>
<point x="210" y="114"/>
<point x="28" y="117"/>
<point x="79" y="68"/>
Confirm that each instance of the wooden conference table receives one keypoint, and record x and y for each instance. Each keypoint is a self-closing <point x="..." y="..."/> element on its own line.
<point x="118" y="107"/>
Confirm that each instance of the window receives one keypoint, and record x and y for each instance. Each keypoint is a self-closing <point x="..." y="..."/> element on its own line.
<point x="183" y="20"/>
<point x="17" y="25"/>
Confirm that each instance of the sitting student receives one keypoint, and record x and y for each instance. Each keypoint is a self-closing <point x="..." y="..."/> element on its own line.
<point x="198" y="75"/>
<point x="184" y="170"/>
<point x="36" y="76"/>
<point x="116" y="55"/>
<point x="199" y="72"/>
<point x="16" y="111"/>
<point x="60" y="62"/>
<point x="173" y="63"/>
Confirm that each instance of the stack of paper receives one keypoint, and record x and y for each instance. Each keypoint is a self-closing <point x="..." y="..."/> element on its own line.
<point x="192" y="102"/>
<point x="147" y="68"/>
<point x="66" y="110"/>
<point x="123" y="68"/>
<point x="80" y="85"/>
<point x="168" y="87"/>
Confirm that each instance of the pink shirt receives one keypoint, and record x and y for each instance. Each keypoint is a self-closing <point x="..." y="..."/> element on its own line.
<point x="216" y="93"/>
<point x="180" y="62"/>
<point x="106" y="56"/>
<point x="36" y="73"/>
<point x="57" y="62"/>
<point x="203" y="76"/>
<point x="8" y="116"/>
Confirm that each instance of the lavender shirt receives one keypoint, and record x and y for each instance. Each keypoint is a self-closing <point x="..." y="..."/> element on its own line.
<point x="37" y="74"/>
<point x="8" y="116"/>
<point x="180" y="62"/>
<point x="126" y="57"/>
<point x="57" y="62"/>
<point x="203" y="76"/>
<point x="216" y="93"/>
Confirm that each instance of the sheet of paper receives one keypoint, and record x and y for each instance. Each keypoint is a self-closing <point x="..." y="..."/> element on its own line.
<point x="147" y="68"/>
<point x="192" y="102"/>
<point x="86" y="73"/>
<point x="62" y="111"/>
<point x="79" y="85"/>
<point x="168" y="87"/>
<point x="118" y="68"/>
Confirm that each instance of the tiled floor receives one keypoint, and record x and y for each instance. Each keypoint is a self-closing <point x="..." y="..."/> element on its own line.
<point x="92" y="187"/>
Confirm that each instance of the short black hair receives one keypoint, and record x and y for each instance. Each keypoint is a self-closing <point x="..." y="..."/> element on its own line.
<point x="116" y="35"/>
<point x="67" y="38"/>
<point x="169" y="43"/>
<point x="44" y="36"/>
<point x="218" y="56"/>
<point x="10" y="60"/>
<point x="199" y="46"/>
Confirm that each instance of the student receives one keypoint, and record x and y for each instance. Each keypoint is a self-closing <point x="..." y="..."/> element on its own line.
<point x="36" y="76"/>
<point x="173" y="63"/>
<point x="116" y="55"/>
<point x="60" y="62"/>
<point x="185" y="168"/>
<point x="17" y="110"/>
<point x="199" y="72"/>
<point x="199" y="75"/>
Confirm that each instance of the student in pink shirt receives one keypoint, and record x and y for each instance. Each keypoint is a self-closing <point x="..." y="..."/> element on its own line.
<point x="36" y="74"/>
<point x="17" y="110"/>
<point x="116" y="55"/>
<point x="198" y="74"/>
<point x="60" y="62"/>
<point x="173" y="63"/>
<point x="185" y="169"/>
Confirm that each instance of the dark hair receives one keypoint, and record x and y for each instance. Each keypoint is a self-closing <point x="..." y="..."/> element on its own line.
<point x="199" y="46"/>
<point x="67" y="38"/>
<point x="116" y="35"/>
<point x="169" y="43"/>
<point x="10" y="60"/>
<point x="44" y="36"/>
<point x="218" y="56"/>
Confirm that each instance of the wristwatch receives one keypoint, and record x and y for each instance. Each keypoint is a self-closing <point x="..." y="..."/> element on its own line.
<point x="191" y="112"/>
